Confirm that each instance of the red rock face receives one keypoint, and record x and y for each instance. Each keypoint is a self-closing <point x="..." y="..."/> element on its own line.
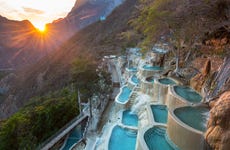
<point x="218" y="128"/>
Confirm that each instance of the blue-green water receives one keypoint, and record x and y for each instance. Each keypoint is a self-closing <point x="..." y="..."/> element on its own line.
<point x="122" y="139"/>
<point x="73" y="138"/>
<point x="167" y="81"/>
<point x="149" y="67"/>
<point x="160" y="113"/>
<point x="129" y="118"/>
<point x="188" y="94"/>
<point x="134" y="79"/>
<point x="155" y="139"/>
<point x="133" y="69"/>
<point x="124" y="95"/>
<point x="194" y="117"/>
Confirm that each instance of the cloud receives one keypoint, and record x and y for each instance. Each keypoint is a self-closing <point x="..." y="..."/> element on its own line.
<point x="33" y="11"/>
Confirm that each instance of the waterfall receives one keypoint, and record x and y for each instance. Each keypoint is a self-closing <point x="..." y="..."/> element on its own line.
<point x="140" y="101"/>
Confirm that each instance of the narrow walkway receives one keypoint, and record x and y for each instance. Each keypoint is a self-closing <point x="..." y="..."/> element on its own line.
<point x="63" y="133"/>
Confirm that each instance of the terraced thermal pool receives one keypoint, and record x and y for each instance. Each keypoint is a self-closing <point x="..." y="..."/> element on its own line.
<point x="134" y="79"/>
<point x="73" y="138"/>
<point x="155" y="139"/>
<point x="129" y="119"/>
<point x="167" y="81"/>
<point x="160" y="113"/>
<point x="188" y="94"/>
<point x="194" y="117"/>
<point x="149" y="67"/>
<point x="124" y="95"/>
<point x="122" y="139"/>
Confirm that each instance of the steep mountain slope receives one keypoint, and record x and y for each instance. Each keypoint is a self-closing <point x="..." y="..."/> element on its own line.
<point x="21" y="44"/>
<point x="17" y="43"/>
<point x="82" y="14"/>
<point x="54" y="71"/>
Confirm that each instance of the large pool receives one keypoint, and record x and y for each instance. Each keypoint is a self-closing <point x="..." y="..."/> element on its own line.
<point x="160" y="113"/>
<point x="122" y="139"/>
<point x="149" y="67"/>
<point x="135" y="80"/>
<point x="194" y="117"/>
<point x="188" y="94"/>
<point x="129" y="118"/>
<point x="124" y="95"/>
<point x="155" y="139"/>
<point x="167" y="81"/>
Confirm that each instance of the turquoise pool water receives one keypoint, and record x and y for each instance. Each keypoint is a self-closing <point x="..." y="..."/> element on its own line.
<point x="194" y="117"/>
<point x="73" y="138"/>
<point x="160" y="113"/>
<point x="134" y="79"/>
<point x="129" y="118"/>
<point x="124" y="95"/>
<point x="75" y="135"/>
<point x="149" y="67"/>
<point x="167" y="81"/>
<point x="133" y="69"/>
<point x="122" y="139"/>
<point x="188" y="94"/>
<point x="155" y="139"/>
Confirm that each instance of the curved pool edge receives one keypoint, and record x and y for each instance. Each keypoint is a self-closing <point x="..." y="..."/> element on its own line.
<point x="116" y="98"/>
<point x="174" y="100"/>
<point x="141" y="143"/>
<point x="151" y="116"/>
<point x="192" y="138"/>
<point x="111" y="130"/>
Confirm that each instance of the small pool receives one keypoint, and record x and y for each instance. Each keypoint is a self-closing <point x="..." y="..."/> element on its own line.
<point x="160" y="113"/>
<point x="150" y="79"/>
<point x="73" y="138"/>
<point x="132" y="69"/>
<point x="194" y="117"/>
<point x="134" y="79"/>
<point x="188" y="94"/>
<point x="124" y="95"/>
<point x="167" y="81"/>
<point x="155" y="139"/>
<point x="129" y="118"/>
<point x="149" y="67"/>
<point x="122" y="139"/>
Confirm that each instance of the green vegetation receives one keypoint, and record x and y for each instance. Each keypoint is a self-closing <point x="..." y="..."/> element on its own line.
<point x="45" y="115"/>
<point x="38" y="120"/>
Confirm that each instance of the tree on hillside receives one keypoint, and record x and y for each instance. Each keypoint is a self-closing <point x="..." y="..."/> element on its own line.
<point x="183" y="22"/>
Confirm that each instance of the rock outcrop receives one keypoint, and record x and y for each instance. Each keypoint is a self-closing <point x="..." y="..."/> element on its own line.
<point x="198" y="81"/>
<point x="218" y="129"/>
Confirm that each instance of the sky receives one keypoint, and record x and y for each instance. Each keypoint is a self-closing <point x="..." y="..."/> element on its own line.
<point x="38" y="12"/>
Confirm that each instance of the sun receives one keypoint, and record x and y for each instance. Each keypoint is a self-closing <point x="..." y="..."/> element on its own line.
<point x="40" y="26"/>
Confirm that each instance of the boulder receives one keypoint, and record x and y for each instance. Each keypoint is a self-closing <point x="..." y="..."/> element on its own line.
<point x="218" y="127"/>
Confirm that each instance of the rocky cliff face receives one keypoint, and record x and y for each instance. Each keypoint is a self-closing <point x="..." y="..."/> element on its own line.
<point x="217" y="94"/>
<point x="82" y="14"/>
<point x="17" y="43"/>
<point x="218" y="128"/>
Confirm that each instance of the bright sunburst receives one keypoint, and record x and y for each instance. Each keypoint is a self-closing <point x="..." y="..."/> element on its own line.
<point x="41" y="27"/>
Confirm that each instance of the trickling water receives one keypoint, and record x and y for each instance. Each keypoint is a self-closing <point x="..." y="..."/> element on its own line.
<point x="194" y="117"/>
<point x="141" y="100"/>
